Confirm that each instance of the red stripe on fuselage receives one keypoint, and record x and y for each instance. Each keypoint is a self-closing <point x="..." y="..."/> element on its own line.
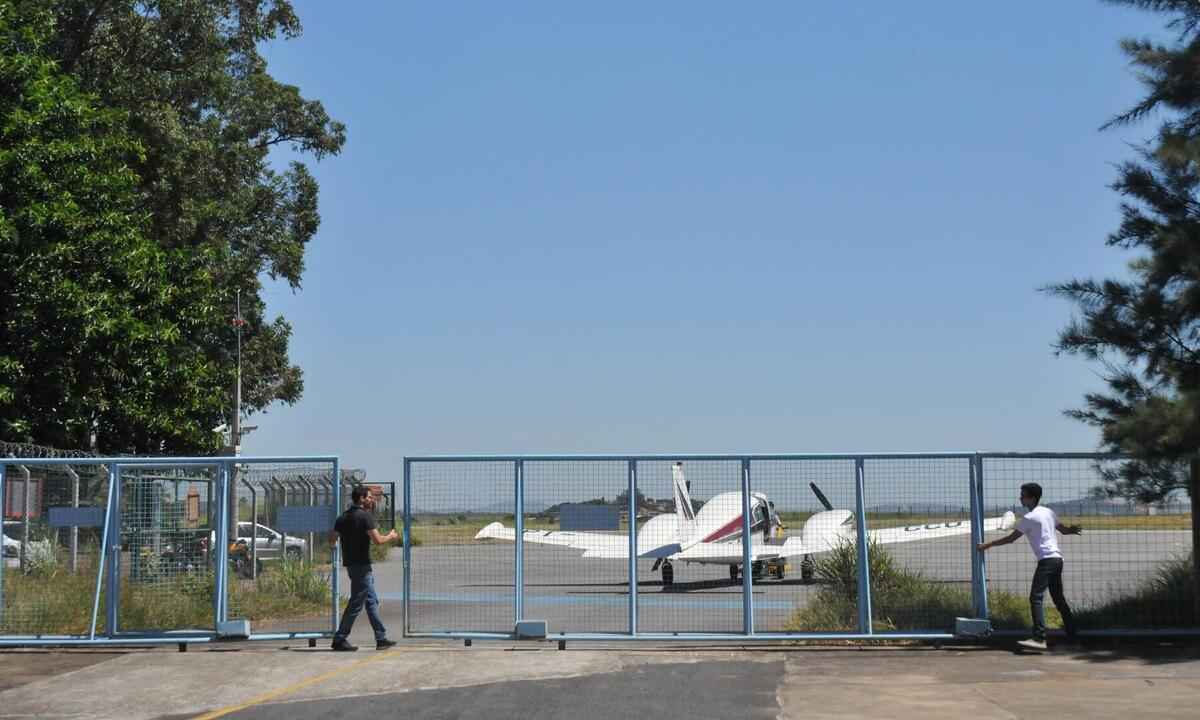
<point x="726" y="529"/>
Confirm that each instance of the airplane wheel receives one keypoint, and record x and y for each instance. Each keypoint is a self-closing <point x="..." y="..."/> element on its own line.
<point x="733" y="573"/>
<point x="668" y="574"/>
<point x="808" y="568"/>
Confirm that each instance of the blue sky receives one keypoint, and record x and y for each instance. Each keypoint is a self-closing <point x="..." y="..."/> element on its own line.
<point x="614" y="227"/>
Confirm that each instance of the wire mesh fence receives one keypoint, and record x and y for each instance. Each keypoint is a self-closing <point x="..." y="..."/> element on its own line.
<point x="458" y="581"/>
<point x="812" y="593"/>
<point x="167" y="516"/>
<point x="113" y="549"/>
<point x="574" y="593"/>
<point x="1130" y="568"/>
<point x="50" y="557"/>
<point x="280" y="571"/>
<point x="472" y="572"/>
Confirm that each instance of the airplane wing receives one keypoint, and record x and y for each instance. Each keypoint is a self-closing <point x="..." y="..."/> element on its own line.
<point x="593" y="545"/>
<point x="931" y="531"/>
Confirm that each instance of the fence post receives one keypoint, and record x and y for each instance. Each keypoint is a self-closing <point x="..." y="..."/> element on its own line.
<point x="335" y="573"/>
<point x="1195" y="496"/>
<point x="253" y="528"/>
<point x="978" y="568"/>
<point x="25" y="519"/>
<point x="102" y="559"/>
<point x="3" y="560"/>
<point x="633" y="568"/>
<point x="519" y="541"/>
<point x="221" y="536"/>
<point x="407" y="490"/>
<point x="112" y="596"/>
<point x="747" y="554"/>
<point x="864" y="559"/>
<point x="74" y="528"/>
<point x="312" y="502"/>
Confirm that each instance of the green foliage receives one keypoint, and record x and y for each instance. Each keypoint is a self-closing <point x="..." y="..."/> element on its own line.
<point x="136" y="199"/>
<point x="61" y="603"/>
<point x="1166" y="600"/>
<point x="901" y="598"/>
<point x="1145" y="328"/>
<point x="297" y="580"/>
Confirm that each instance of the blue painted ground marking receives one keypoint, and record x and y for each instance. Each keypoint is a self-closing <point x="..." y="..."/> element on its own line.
<point x="674" y="600"/>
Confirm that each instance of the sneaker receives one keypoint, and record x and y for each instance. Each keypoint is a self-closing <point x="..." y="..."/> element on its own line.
<point x="1032" y="644"/>
<point x="384" y="644"/>
<point x="343" y="646"/>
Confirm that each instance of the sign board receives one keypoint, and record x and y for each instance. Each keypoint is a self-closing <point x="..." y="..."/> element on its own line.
<point x="65" y="517"/>
<point x="589" y="517"/>
<point x="302" y="519"/>
<point x="14" y="503"/>
<point x="193" y="506"/>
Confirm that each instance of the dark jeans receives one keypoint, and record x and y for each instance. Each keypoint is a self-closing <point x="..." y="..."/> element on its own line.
<point x="362" y="592"/>
<point x="1049" y="575"/>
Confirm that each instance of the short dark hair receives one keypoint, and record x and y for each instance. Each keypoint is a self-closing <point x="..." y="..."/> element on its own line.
<point x="1033" y="490"/>
<point x="360" y="491"/>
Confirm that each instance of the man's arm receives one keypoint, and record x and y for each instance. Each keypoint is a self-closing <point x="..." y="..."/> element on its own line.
<point x="1010" y="538"/>
<point x="382" y="539"/>
<point x="1069" y="529"/>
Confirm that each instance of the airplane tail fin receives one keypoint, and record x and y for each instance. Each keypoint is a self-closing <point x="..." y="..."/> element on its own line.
<point x="684" y="512"/>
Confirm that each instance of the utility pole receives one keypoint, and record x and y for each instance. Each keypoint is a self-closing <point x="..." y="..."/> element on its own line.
<point x="235" y="426"/>
<point x="235" y="434"/>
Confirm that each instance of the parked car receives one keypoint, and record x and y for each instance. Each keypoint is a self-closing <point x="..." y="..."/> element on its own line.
<point x="268" y="543"/>
<point x="12" y="544"/>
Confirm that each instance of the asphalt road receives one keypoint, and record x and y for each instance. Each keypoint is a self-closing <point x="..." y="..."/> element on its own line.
<point x="734" y="689"/>
<point x="469" y="587"/>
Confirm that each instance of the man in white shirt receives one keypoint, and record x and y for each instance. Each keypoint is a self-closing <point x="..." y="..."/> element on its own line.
<point x="1038" y="526"/>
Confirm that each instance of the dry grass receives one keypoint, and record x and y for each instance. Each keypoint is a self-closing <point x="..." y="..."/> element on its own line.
<point x="60" y="603"/>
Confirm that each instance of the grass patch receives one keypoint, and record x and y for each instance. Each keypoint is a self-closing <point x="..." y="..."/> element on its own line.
<point x="60" y="603"/>
<point x="1166" y="600"/>
<point x="901" y="598"/>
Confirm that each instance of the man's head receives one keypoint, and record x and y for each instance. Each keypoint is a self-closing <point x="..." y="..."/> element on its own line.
<point x="359" y="495"/>
<point x="1031" y="495"/>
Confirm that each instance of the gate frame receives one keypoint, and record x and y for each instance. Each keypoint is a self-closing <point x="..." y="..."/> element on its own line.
<point x="111" y="546"/>
<point x="974" y="479"/>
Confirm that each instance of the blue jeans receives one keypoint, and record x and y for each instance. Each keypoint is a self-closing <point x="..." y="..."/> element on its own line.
<point x="362" y="592"/>
<point x="1049" y="576"/>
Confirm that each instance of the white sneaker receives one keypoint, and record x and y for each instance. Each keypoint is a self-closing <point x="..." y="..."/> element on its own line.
<point x="1031" y="644"/>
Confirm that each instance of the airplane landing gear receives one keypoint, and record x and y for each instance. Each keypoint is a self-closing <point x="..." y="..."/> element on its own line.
<point x="733" y="573"/>
<point x="808" y="568"/>
<point x="668" y="573"/>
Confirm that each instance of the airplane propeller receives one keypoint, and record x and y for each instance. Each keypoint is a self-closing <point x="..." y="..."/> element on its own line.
<point x="821" y="496"/>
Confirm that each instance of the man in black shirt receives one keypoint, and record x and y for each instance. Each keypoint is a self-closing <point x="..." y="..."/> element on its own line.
<point x="357" y="529"/>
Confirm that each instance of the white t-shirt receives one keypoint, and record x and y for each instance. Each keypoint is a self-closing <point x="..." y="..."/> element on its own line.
<point x="1038" y="526"/>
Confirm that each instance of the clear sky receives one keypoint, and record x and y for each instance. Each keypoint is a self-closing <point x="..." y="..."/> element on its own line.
<point x="592" y="227"/>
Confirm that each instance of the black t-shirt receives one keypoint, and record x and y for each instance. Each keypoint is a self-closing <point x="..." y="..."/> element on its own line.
<point x="352" y="527"/>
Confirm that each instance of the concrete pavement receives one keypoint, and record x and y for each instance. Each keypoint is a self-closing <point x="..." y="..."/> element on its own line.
<point x="536" y="681"/>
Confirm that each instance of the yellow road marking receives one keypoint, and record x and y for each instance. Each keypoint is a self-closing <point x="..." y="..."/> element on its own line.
<point x="279" y="692"/>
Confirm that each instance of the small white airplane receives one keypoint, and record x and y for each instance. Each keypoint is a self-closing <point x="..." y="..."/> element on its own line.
<point x="713" y="535"/>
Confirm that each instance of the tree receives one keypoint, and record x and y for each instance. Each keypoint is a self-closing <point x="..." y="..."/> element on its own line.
<point x="1145" y="328"/>
<point x="83" y="292"/>
<point x="194" y="97"/>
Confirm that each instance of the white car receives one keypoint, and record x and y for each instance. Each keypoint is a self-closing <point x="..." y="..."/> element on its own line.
<point x="12" y="544"/>
<point x="268" y="542"/>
